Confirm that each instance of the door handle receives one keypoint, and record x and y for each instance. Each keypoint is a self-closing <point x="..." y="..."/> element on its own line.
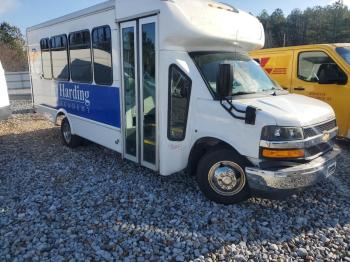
<point x="299" y="89"/>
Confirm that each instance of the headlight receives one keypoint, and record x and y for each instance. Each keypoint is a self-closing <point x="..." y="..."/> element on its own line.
<point x="277" y="133"/>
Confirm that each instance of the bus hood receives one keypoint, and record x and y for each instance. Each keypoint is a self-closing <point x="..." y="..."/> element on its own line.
<point x="294" y="110"/>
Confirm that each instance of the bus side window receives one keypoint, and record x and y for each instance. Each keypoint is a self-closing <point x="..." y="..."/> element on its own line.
<point x="179" y="100"/>
<point x="102" y="50"/>
<point x="46" y="58"/>
<point x="59" y="55"/>
<point x="80" y="56"/>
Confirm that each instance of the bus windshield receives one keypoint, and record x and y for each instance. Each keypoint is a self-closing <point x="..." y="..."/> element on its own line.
<point x="249" y="77"/>
<point x="344" y="52"/>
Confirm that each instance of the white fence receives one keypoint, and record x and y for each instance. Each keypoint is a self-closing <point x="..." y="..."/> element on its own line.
<point x="17" y="80"/>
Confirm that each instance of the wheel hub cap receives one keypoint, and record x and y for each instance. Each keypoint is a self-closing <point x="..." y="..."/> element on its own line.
<point x="226" y="178"/>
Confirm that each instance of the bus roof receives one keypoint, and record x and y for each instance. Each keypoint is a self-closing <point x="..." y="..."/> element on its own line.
<point x="196" y="25"/>
<point x="108" y="5"/>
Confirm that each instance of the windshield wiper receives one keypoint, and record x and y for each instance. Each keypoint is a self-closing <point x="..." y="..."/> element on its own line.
<point x="274" y="91"/>
<point x="243" y="93"/>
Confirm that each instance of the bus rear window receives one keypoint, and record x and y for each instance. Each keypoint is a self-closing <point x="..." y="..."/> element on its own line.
<point x="80" y="56"/>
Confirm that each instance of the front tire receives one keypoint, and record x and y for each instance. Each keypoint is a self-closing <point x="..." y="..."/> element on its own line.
<point x="70" y="140"/>
<point x="221" y="177"/>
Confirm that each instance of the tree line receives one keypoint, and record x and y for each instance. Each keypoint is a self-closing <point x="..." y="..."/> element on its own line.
<point x="329" y="24"/>
<point x="13" y="55"/>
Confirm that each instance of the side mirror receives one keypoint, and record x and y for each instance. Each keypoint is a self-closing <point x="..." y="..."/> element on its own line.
<point x="224" y="80"/>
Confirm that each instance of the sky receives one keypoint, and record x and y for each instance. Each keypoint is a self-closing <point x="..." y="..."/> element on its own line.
<point x="26" y="13"/>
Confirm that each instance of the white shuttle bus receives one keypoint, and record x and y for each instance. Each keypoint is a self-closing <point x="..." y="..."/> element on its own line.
<point x="169" y="85"/>
<point x="5" y="111"/>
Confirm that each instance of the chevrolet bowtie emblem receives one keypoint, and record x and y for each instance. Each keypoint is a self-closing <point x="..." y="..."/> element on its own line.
<point x="326" y="137"/>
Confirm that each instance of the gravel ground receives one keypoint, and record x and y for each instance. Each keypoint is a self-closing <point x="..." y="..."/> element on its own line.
<point x="87" y="204"/>
<point x="21" y="105"/>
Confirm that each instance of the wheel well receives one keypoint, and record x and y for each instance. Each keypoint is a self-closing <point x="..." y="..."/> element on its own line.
<point x="59" y="118"/>
<point x="200" y="148"/>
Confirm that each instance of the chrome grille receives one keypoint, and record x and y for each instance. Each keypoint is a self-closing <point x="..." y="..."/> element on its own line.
<point x="318" y="130"/>
<point x="321" y="148"/>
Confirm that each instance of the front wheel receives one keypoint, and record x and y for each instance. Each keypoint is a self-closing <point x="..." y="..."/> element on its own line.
<point x="221" y="177"/>
<point x="68" y="138"/>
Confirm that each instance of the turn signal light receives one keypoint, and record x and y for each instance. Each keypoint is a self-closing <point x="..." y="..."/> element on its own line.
<point x="268" y="153"/>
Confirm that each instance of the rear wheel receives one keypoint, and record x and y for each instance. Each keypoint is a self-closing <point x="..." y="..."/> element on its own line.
<point x="68" y="138"/>
<point x="222" y="178"/>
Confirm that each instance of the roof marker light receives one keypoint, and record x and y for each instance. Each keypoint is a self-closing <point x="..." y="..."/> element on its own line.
<point x="223" y="6"/>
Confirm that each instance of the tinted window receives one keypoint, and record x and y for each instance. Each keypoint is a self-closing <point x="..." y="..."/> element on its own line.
<point x="179" y="99"/>
<point x="128" y="36"/>
<point x="46" y="58"/>
<point x="80" y="56"/>
<point x="148" y="78"/>
<point x="318" y="67"/>
<point x="102" y="48"/>
<point x="59" y="54"/>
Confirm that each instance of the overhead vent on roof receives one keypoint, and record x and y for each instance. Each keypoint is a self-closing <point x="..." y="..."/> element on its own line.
<point x="223" y="6"/>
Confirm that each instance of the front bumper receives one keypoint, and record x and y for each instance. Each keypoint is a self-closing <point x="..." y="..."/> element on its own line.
<point x="5" y="112"/>
<point x="279" y="183"/>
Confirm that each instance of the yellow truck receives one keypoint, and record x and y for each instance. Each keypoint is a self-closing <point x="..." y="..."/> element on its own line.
<point x="318" y="71"/>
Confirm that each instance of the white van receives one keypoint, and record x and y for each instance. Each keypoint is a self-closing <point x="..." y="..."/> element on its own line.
<point x="169" y="85"/>
<point x="5" y="111"/>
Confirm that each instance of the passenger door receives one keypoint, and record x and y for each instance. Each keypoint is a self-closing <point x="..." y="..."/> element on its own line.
<point x="139" y="49"/>
<point x="317" y="75"/>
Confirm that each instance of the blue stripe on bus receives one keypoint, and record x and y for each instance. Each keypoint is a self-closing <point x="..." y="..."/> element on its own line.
<point x="93" y="102"/>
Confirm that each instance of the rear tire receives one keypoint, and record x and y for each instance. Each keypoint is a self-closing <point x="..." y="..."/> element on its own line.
<point x="221" y="177"/>
<point x="70" y="140"/>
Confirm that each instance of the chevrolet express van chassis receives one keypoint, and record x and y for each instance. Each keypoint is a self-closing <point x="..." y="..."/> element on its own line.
<point x="281" y="178"/>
